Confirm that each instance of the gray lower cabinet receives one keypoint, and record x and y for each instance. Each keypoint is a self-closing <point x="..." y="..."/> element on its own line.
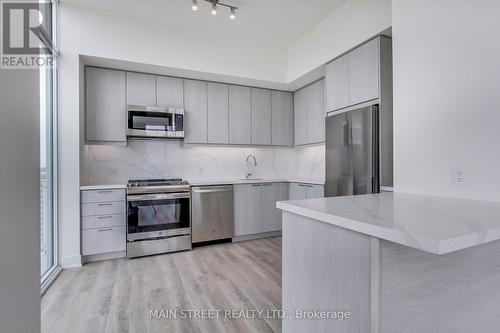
<point x="141" y="89"/>
<point x="260" y="116"/>
<point x="255" y="207"/>
<point x="239" y="115"/>
<point x="247" y="209"/>
<point x="271" y="216"/>
<point x="310" y="114"/>
<point x="299" y="191"/>
<point x="170" y="92"/>
<point x="282" y="118"/>
<point x="105" y="105"/>
<point x="195" y="111"/>
<point x="218" y="113"/>
<point x="103" y="224"/>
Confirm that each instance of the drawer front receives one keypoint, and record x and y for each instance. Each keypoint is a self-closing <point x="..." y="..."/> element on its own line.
<point x="103" y="208"/>
<point x="103" y="240"/>
<point x="103" y="196"/>
<point x="103" y="221"/>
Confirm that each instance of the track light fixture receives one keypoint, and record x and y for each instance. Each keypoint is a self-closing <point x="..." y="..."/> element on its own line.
<point x="215" y="4"/>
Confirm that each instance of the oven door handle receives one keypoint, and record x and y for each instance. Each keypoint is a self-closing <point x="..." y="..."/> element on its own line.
<point x="159" y="196"/>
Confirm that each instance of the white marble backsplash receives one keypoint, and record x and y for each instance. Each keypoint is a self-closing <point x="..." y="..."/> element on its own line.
<point x="108" y="164"/>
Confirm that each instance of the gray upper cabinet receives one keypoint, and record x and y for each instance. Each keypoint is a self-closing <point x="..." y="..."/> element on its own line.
<point x="282" y="118"/>
<point x="170" y="91"/>
<point x="141" y="89"/>
<point x="271" y="216"/>
<point x="239" y="115"/>
<point x="364" y="72"/>
<point x="105" y="109"/>
<point x="310" y="114"/>
<point x="354" y="78"/>
<point x="317" y="111"/>
<point x="260" y="116"/>
<point x="337" y="83"/>
<point x="247" y="209"/>
<point x="195" y="111"/>
<point x="300" y="122"/>
<point x="218" y="113"/>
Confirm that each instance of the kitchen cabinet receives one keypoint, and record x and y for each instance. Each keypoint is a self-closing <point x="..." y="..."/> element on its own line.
<point x="337" y="83"/>
<point x="247" y="209"/>
<point x="299" y="191"/>
<point x="195" y="111"/>
<point x="260" y="105"/>
<point x="239" y="115"/>
<point x="317" y="112"/>
<point x="141" y="89"/>
<point x="282" y="118"/>
<point x="271" y="216"/>
<point x="218" y="113"/>
<point x="170" y="92"/>
<point x="310" y="114"/>
<point x="364" y="72"/>
<point x="255" y="207"/>
<point x="103" y="225"/>
<point x="355" y="77"/>
<point x="300" y="122"/>
<point x="105" y="105"/>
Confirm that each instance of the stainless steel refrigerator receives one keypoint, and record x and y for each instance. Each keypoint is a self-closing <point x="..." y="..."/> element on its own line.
<point x="352" y="152"/>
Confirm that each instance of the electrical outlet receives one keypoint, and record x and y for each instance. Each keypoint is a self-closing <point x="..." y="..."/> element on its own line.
<point x="112" y="172"/>
<point x="458" y="177"/>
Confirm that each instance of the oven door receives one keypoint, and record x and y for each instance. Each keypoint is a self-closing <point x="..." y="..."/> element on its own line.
<point x="158" y="215"/>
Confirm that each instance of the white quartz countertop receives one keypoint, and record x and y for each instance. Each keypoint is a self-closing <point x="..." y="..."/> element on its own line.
<point x="102" y="187"/>
<point x="437" y="225"/>
<point x="203" y="182"/>
<point x="207" y="182"/>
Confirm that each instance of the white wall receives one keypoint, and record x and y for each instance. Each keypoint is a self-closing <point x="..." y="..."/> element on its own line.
<point x="350" y="25"/>
<point x="19" y="201"/>
<point x="167" y="159"/>
<point x="447" y="96"/>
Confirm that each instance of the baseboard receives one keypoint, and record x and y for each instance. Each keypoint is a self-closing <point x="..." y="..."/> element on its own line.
<point x="104" y="256"/>
<point x="71" y="262"/>
<point x="257" y="236"/>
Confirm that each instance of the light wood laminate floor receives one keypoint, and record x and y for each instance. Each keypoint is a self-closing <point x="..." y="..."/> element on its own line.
<point x="117" y="295"/>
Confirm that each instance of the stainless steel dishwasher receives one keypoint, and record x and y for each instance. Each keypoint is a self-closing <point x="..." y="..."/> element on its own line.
<point x="212" y="213"/>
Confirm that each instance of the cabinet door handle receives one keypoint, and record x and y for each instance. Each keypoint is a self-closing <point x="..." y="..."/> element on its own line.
<point x="104" y="191"/>
<point x="104" y="204"/>
<point x="257" y="185"/>
<point x="104" y="217"/>
<point x="100" y="230"/>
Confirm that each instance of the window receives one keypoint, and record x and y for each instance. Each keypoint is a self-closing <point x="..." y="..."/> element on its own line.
<point x="48" y="157"/>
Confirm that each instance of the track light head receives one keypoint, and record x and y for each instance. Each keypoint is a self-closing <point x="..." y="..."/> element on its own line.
<point x="214" y="9"/>
<point x="194" y="5"/>
<point x="232" y="16"/>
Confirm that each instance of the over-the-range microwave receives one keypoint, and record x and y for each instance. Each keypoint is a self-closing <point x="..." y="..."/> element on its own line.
<point x="155" y="122"/>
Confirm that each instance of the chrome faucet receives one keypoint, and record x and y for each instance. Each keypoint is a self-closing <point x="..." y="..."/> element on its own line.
<point x="248" y="174"/>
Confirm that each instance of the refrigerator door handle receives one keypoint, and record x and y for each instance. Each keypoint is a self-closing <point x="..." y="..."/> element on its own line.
<point x="345" y="134"/>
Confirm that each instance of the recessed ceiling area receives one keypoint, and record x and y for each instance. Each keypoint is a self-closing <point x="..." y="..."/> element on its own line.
<point x="277" y="22"/>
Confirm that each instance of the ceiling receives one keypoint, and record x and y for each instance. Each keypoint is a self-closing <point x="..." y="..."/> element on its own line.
<point x="276" y="22"/>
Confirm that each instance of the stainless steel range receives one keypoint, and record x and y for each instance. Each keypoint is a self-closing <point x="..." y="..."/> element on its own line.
<point x="158" y="219"/>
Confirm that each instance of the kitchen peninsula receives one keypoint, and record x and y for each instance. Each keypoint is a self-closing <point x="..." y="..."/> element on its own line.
<point x="398" y="262"/>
